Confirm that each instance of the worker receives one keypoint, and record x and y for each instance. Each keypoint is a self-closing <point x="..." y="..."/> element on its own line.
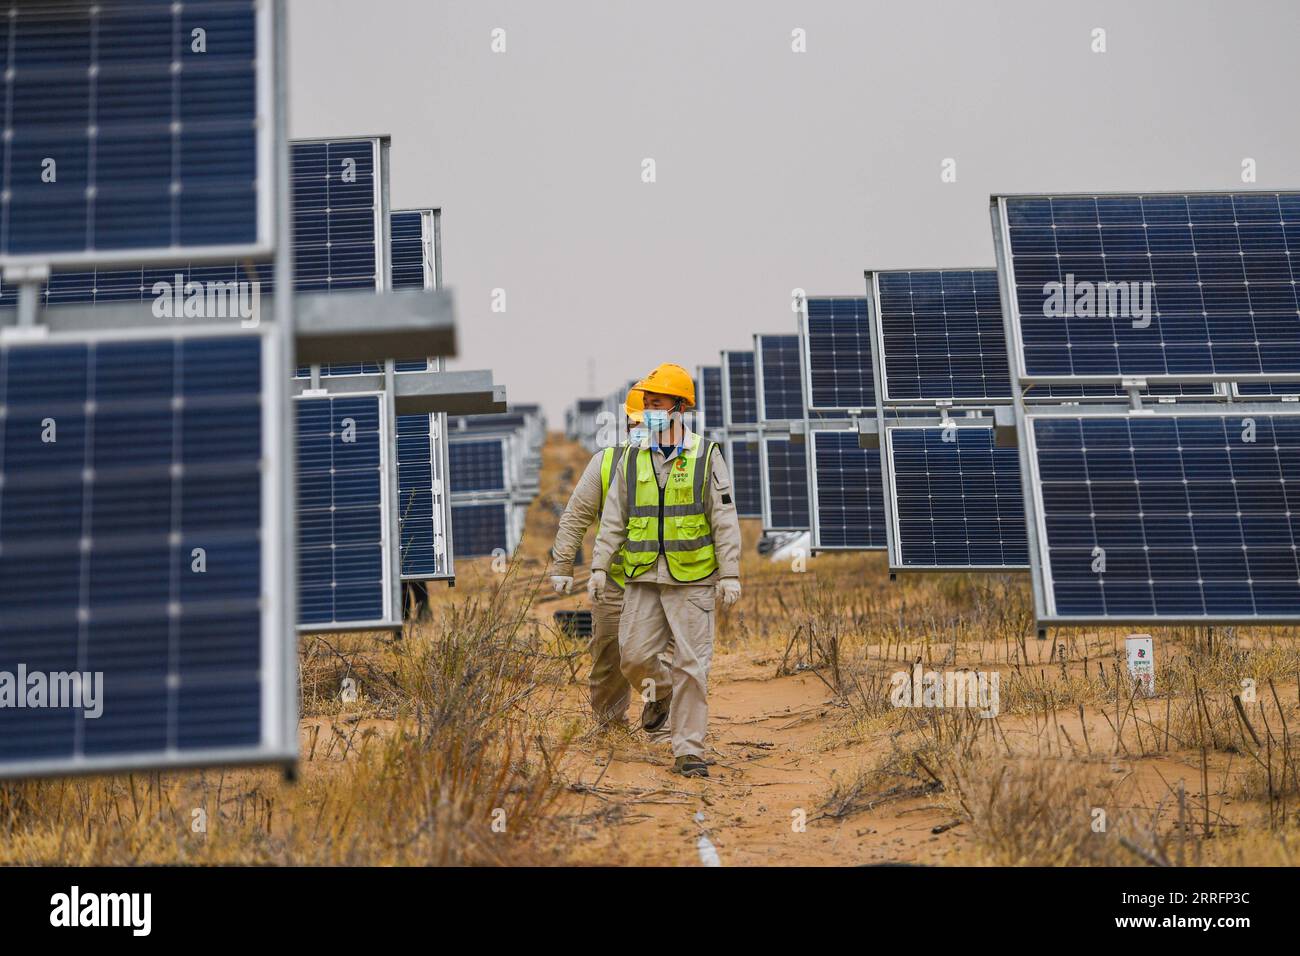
<point x="670" y="529"/>
<point x="606" y="684"/>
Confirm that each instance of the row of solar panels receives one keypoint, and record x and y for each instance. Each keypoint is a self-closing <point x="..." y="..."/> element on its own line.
<point x="586" y="419"/>
<point x="145" y="415"/>
<point x="496" y="463"/>
<point x="360" y="464"/>
<point x="1114" y="364"/>
<point x="490" y="462"/>
<point x="144" y="453"/>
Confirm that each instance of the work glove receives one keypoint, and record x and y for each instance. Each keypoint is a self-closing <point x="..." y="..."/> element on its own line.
<point x="563" y="583"/>
<point x="729" y="591"/>
<point x="596" y="584"/>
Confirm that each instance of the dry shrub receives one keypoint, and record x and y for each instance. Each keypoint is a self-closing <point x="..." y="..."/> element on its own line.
<point x="1032" y="812"/>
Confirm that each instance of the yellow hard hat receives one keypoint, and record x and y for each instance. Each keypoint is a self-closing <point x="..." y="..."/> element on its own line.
<point x="634" y="406"/>
<point x="669" y="379"/>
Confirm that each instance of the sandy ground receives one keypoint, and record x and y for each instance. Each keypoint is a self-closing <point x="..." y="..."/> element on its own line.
<point x="760" y="804"/>
<point x="763" y="802"/>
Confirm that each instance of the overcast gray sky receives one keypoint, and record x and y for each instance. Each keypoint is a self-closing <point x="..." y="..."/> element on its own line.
<point x="775" y="169"/>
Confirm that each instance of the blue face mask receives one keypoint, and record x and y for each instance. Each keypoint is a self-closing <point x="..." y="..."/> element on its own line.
<point x="656" y="419"/>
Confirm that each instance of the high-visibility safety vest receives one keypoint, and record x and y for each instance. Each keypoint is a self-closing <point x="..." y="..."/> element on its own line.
<point x="670" y="519"/>
<point x="607" y="465"/>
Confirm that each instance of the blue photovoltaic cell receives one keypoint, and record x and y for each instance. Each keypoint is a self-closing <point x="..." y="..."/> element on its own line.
<point x="839" y="353"/>
<point x="334" y="248"/>
<point x="340" y="510"/>
<point x="407" y="252"/>
<point x="708" y="398"/>
<point x="942" y="334"/>
<point x="154" y="143"/>
<point x="423" y="553"/>
<point x="478" y="529"/>
<point x="170" y="287"/>
<point x="741" y="402"/>
<point x="746" y="477"/>
<point x="787" y="485"/>
<point x="1058" y="391"/>
<point x="943" y="338"/>
<point x="118" y="462"/>
<point x="1194" y="515"/>
<point x="336" y="225"/>
<point x="1219" y="277"/>
<point x="957" y="503"/>
<point x="335" y="216"/>
<point x="781" y="398"/>
<point x="476" y="465"/>
<point x="1265" y="389"/>
<point x="850" y="492"/>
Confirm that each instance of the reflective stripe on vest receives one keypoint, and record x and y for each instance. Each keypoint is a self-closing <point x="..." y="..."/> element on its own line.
<point x="670" y="520"/>
<point x="606" y="473"/>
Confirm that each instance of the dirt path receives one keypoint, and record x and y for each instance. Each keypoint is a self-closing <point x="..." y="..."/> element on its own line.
<point x="772" y="773"/>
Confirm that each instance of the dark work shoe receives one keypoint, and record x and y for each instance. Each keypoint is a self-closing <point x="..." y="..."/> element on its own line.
<point x="690" y="766"/>
<point x="655" y="714"/>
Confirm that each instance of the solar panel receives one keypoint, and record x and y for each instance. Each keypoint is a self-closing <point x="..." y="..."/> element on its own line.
<point x="481" y="528"/>
<point x="1057" y="392"/>
<point x="338" y="216"/>
<point x="954" y="498"/>
<point x="848" y="507"/>
<point x="340" y="224"/>
<point x="940" y="335"/>
<point x="785" y="485"/>
<point x="838" y="350"/>
<point x="140" y="546"/>
<point x="129" y="136"/>
<point x="779" y="382"/>
<point x="1253" y="390"/>
<point x="1172" y="284"/>
<point x="746" y="476"/>
<point x="338" y="242"/>
<point x="421" y="439"/>
<point x="412" y="266"/>
<point x="413" y="263"/>
<point x="1178" y="516"/>
<point x="708" y="397"/>
<point x="477" y="465"/>
<point x="740" y="395"/>
<point x="343" y="513"/>
<point x="231" y="290"/>
<point x="421" y="464"/>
